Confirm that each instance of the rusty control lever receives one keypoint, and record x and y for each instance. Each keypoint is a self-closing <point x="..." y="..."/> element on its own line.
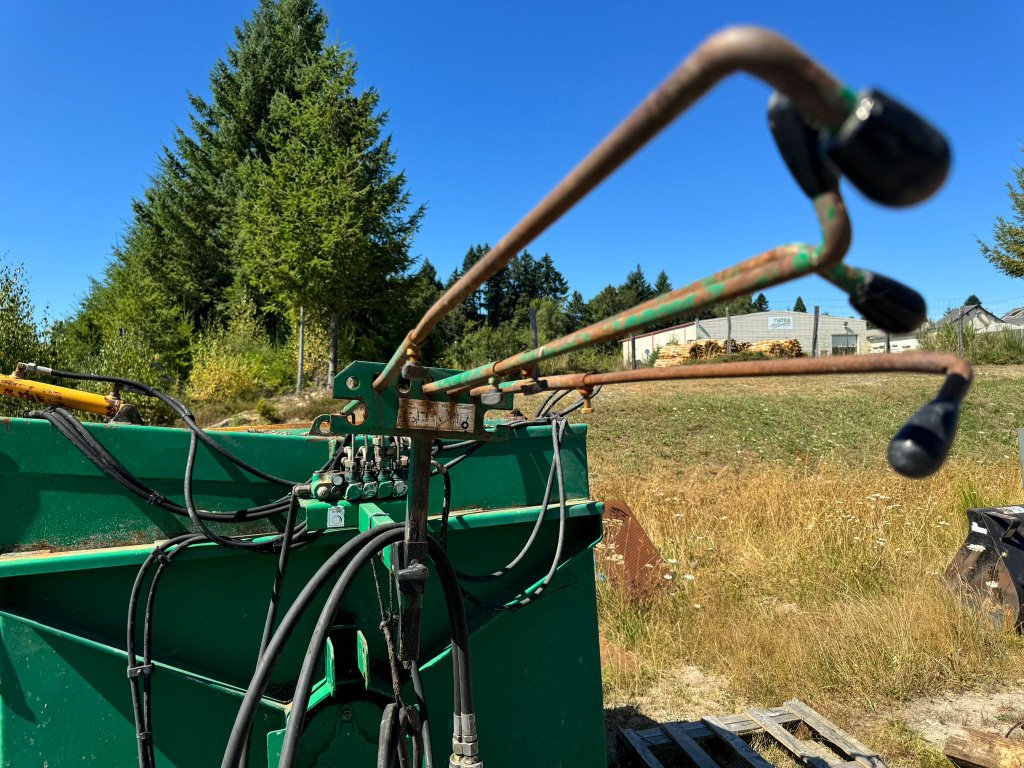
<point x="892" y="156"/>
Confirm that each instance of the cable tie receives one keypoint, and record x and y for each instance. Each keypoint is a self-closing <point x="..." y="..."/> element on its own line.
<point x="140" y="669"/>
<point x="162" y="555"/>
<point x="144" y="736"/>
<point x="155" y="498"/>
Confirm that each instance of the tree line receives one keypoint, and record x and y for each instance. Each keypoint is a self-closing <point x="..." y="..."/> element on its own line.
<point x="283" y="195"/>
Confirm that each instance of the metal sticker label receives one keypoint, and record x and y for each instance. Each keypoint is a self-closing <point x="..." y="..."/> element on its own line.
<point x="434" y="416"/>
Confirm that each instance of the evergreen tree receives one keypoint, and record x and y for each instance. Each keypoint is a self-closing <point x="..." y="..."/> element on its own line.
<point x="179" y="247"/>
<point x="576" y="311"/>
<point x="799" y="306"/>
<point x="1007" y="252"/>
<point x="636" y="288"/>
<point x="662" y="284"/>
<point x="741" y="305"/>
<point x="761" y="303"/>
<point x="972" y="301"/>
<point x="325" y="219"/>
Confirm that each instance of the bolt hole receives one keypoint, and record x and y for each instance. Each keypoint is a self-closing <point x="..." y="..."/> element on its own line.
<point x="324" y="427"/>
<point x="404" y="386"/>
<point x="352" y="382"/>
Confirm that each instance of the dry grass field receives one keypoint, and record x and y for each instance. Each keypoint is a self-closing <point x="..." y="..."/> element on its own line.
<point x="804" y="566"/>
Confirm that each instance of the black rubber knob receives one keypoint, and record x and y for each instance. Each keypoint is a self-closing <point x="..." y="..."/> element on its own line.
<point x="888" y="152"/>
<point x="890" y="305"/>
<point x="800" y="147"/>
<point x="920" y="448"/>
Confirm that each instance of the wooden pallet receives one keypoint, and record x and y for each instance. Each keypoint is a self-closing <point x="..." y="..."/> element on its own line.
<point x="718" y="742"/>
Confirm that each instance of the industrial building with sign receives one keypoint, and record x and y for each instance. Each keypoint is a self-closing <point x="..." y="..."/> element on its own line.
<point x="835" y="335"/>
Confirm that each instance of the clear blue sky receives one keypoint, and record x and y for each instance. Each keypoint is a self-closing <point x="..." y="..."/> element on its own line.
<point x="492" y="102"/>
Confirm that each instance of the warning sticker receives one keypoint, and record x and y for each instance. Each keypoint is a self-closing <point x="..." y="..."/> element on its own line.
<point x="434" y="416"/>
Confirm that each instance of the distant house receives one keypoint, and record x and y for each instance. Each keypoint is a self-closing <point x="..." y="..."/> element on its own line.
<point x="1014" y="316"/>
<point x="976" y="317"/>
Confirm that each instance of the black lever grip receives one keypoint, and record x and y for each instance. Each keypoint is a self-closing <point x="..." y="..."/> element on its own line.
<point x="800" y="147"/>
<point x="921" y="446"/>
<point x="890" y="305"/>
<point x="888" y="152"/>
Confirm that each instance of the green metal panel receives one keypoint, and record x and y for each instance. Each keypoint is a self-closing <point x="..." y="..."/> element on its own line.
<point x="62" y="613"/>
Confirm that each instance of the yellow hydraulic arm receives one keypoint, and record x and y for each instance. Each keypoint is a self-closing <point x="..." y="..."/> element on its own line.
<point x="50" y="394"/>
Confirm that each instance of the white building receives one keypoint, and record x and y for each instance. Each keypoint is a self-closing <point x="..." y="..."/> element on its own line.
<point x="836" y="335"/>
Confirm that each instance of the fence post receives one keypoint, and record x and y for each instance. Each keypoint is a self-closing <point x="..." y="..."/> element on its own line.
<point x="302" y="349"/>
<point x="887" y="349"/>
<point x="814" y="333"/>
<point x="632" y="350"/>
<point x="536" y="342"/>
<point x="960" y="333"/>
<point x="728" y="331"/>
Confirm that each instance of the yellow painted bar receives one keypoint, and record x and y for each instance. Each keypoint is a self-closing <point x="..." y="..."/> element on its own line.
<point x="51" y="394"/>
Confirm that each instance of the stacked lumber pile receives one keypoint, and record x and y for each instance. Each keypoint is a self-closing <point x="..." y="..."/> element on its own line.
<point x="778" y="348"/>
<point x="707" y="349"/>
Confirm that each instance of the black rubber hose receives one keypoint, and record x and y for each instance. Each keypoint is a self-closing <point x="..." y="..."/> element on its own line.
<point x="528" y="597"/>
<point x="550" y="401"/>
<point x="304" y="684"/>
<point x="282" y="568"/>
<point x="93" y="450"/>
<point x="133" y="602"/>
<point x="446" y="501"/>
<point x="147" y="641"/>
<point x="536" y="526"/>
<point x="183" y="413"/>
<point x="242" y="726"/>
<point x="457" y="621"/>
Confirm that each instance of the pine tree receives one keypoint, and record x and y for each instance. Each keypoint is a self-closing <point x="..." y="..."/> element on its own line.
<point x="799" y="306"/>
<point x="761" y="303"/>
<point x="177" y="259"/>
<point x="662" y="284"/>
<point x="1007" y="252"/>
<point x="325" y="219"/>
<point x="972" y="301"/>
<point x="576" y="311"/>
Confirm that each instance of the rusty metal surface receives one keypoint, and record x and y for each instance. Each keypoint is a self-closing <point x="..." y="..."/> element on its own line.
<point x="759" y="52"/>
<point x="906" y="362"/>
<point x="627" y="557"/>
<point x="990" y="565"/>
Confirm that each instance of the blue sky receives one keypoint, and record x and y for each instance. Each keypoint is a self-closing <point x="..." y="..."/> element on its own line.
<point x="492" y="102"/>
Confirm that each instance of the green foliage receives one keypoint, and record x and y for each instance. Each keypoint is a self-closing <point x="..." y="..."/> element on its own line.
<point x="21" y="339"/>
<point x="761" y="303"/>
<point x="322" y="220"/>
<point x="1007" y="251"/>
<point x="1004" y="347"/>
<point x="238" y="363"/>
<point x="972" y="301"/>
<point x="741" y="305"/>
<point x="662" y="284"/>
<point x="799" y="306"/>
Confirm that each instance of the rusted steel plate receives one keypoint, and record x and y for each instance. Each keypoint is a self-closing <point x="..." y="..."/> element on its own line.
<point x="627" y="557"/>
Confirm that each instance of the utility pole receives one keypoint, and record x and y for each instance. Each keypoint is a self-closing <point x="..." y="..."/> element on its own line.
<point x="814" y="333"/>
<point x="536" y="342"/>
<point x="960" y="333"/>
<point x="728" y="331"/>
<point x="302" y="349"/>
<point x="632" y="350"/>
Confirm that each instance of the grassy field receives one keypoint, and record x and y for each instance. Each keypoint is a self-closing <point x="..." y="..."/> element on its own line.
<point x="804" y="565"/>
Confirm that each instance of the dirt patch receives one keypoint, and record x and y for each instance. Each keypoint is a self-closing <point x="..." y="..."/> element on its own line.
<point x="938" y="717"/>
